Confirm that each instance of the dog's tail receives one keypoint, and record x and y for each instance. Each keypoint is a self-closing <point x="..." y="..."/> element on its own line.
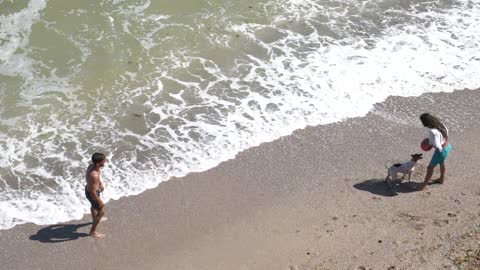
<point x="388" y="164"/>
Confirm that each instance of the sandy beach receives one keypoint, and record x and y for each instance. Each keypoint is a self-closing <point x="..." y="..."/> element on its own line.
<point x="312" y="200"/>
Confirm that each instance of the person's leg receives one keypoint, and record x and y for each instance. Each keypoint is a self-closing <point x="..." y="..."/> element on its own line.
<point x="445" y="154"/>
<point x="96" y="221"/>
<point x="427" y="177"/>
<point x="437" y="159"/>
<point x="94" y="213"/>
<point x="442" y="174"/>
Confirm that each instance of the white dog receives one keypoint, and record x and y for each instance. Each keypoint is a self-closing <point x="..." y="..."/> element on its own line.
<point x="406" y="168"/>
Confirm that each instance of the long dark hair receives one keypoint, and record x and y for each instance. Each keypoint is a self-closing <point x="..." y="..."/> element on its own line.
<point x="431" y="121"/>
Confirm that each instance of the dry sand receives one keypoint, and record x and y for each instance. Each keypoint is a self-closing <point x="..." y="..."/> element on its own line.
<point x="312" y="200"/>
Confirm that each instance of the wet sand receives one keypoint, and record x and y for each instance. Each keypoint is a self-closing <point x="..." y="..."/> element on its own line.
<point x="312" y="200"/>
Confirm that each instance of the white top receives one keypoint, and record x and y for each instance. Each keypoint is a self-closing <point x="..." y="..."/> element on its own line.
<point x="436" y="138"/>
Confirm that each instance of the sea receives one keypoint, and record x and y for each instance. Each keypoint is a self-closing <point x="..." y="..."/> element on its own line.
<point x="165" y="88"/>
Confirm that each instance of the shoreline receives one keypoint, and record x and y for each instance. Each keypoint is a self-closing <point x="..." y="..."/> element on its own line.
<point x="311" y="199"/>
<point x="218" y="161"/>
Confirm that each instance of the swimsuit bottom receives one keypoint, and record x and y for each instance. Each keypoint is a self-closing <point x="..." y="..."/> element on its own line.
<point x="439" y="157"/>
<point x="92" y="200"/>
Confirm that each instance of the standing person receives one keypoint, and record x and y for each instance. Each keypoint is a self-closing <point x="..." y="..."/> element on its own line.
<point x="92" y="192"/>
<point x="438" y="138"/>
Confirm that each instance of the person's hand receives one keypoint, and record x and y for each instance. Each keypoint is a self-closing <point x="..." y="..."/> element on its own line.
<point x="101" y="188"/>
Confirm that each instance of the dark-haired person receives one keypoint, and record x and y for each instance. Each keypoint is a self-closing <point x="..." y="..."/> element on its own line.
<point x="438" y="138"/>
<point x="92" y="192"/>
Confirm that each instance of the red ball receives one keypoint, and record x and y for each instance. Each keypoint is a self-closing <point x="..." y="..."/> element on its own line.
<point x="425" y="145"/>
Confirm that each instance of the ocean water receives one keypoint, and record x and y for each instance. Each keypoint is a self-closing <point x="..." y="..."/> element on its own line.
<point x="165" y="88"/>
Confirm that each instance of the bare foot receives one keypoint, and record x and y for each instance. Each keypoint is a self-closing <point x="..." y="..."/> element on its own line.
<point x="97" y="235"/>
<point x="103" y="219"/>
<point x="438" y="181"/>
<point x="422" y="187"/>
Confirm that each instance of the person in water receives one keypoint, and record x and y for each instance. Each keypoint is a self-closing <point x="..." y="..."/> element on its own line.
<point x="438" y="139"/>
<point x="92" y="192"/>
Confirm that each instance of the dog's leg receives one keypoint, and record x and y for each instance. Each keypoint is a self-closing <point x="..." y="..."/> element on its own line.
<point x="388" y="182"/>
<point x="393" y="177"/>
<point x="409" y="176"/>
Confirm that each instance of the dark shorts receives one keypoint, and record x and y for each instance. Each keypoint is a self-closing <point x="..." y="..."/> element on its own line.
<point x="91" y="199"/>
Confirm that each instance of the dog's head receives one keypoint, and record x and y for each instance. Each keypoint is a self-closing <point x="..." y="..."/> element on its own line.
<point x="416" y="157"/>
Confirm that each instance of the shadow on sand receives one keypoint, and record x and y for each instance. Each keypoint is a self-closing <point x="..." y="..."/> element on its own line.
<point x="59" y="233"/>
<point x="380" y="187"/>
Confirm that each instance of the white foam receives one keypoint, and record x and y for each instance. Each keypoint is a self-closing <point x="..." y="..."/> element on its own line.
<point x="14" y="31"/>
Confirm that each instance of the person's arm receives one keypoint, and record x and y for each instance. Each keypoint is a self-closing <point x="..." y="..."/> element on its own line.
<point x="101" y="185"/>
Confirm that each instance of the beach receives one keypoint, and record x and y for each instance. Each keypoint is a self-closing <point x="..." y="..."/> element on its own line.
<point x="237" y="134"/>
<point x="315" y="199"/>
